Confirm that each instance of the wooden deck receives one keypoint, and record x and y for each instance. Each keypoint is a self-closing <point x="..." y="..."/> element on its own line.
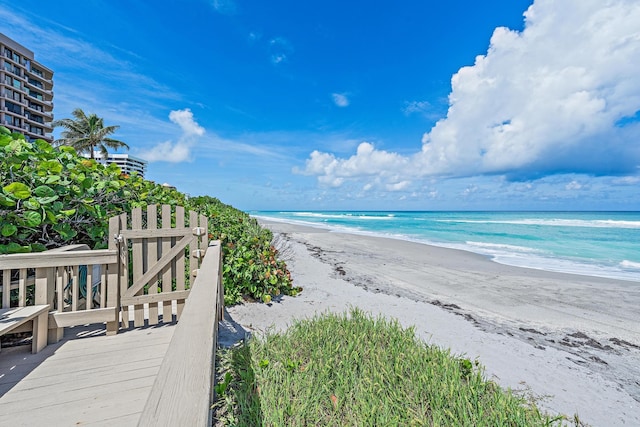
<point x="86" y="379"/>
<point x="157" y="375"/>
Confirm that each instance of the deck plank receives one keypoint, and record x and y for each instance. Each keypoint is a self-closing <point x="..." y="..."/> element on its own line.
<point x="95" y="380"/>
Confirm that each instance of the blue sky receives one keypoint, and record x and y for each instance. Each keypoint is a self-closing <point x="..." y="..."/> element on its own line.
<point x="417" y="105"/>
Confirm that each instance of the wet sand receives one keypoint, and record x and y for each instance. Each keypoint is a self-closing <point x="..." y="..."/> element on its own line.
<point x="571" y="341"/>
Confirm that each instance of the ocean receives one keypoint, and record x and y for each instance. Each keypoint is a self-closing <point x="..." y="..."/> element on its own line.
<point x="604" y="244"/>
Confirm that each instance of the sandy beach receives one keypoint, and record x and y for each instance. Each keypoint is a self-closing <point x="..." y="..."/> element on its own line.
<point x="571" y="341"/>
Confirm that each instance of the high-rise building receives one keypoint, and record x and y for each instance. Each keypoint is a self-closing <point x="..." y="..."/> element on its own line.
<point x="127" y="163"/>
<point x="26" y="92"/>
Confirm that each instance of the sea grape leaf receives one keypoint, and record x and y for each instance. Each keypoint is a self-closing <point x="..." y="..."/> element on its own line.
<point x="47" y="200"/>
<point x="87" y="183"/>
<point x="50" y="166"/>
<point x="15" y="248"/>
<point x="32" y="218"/>
<point x="38" y="247"/>
<point x="6" y="201"/>
<point x="17" y="190"/>
<point x="67" y="149"/>
<point x="51" y="216"/>
<point x="32" y="204"/>
<point x="100" y="211"/>
<point x="65" y="231"/>
<point x="8" y="230"/>
<point x="44" y="191"/>
<point x="43" y="145"/>
<point x="52" y="179"/>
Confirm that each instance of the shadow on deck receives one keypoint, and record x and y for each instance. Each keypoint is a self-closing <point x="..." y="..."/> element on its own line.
<point x="85" y="379"/>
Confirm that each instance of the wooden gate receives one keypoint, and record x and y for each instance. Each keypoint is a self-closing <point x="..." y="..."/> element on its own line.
<point x="160" y="253"/>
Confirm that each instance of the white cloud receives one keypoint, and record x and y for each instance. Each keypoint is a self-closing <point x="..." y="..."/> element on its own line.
<point x="573" y="185"/>
<point x="226" y="7"/>
<point x="179" y="151"/>
<point x="470" y="190"/>
<point x="548" y="100"/>
<point x="627" y="180"/>
<point x="398" y="186"/>
<point x="412" y="107"/>
<point x="279" y="49"/>
<point x="254" y="37"/>
<point x="366" y="162"/>
<point x="68" y="53"/>
<point x="184" y="119"/>
<point x="340" y="99"/>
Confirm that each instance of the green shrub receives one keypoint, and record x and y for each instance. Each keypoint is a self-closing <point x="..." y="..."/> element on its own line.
<point x="251" y="265"/>
<point x="51" y="197"/>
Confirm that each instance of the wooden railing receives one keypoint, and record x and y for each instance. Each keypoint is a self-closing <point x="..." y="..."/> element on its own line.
<point x="53" y="277"/>
<point x="147" y="272"/>
<point x="183" y="391"/>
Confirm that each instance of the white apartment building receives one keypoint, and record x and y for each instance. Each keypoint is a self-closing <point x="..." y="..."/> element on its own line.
<point x="127" y="163"/>
<point x="26" y="92"/>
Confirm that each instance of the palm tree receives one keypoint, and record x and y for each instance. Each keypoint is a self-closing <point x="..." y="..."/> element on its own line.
<point x="86" y="133"/>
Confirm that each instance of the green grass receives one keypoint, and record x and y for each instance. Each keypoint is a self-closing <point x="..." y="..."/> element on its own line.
<point x="355" y="370"/>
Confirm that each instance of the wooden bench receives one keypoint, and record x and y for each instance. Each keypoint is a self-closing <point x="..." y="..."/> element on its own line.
<point x="11" y="318"/>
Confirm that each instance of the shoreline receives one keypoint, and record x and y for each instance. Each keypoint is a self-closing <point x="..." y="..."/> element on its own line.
<point x="553" y="265"/>
<point x="572" y="338"/>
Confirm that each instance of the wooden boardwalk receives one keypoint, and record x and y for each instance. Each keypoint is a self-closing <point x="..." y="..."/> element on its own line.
<point x="149" y="376"/>
<point x="86" y="379"/>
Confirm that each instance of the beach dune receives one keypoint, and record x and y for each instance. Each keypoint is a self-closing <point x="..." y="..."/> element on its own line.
<point x="573" y="342"/>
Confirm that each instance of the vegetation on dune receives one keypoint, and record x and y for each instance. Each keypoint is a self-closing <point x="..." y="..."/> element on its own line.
<point x="52" y="197"/>
<point x="352" y="369"/>
<point x="251" y="262"/>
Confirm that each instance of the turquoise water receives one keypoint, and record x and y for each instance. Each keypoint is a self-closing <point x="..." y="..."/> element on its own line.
<point x="605" y="244"/>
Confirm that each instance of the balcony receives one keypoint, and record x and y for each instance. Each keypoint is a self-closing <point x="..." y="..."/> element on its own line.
<point x="35" y="83"/>
<point x="40" y="78"/>
<point x="12" y="127"/>
<point x="14" y="97"/>
<point x="15" y="58"/>
<point x="12" y="110"/>
<point x="34" y="118"/>
<point x="13" y="70"/>
<point x="38" y="86"/>
<point x="39" y="109"/>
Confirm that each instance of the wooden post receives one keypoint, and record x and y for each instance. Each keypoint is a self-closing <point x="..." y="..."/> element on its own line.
<point x="22" y="288"/>
<point x="220" y="286"/>
<point x="6" y="288"/>
<point x="204" y="240"/>
<point x="41" y="296"/>
<point x="75" y="287"/>
<point x="124" y="271"/>
<point x="180" y="264"/>
<point x="152" y="257"/>
<point x="40" y="334"/>
<point x="89" y="288"/>
<point x="55" y="334"/>
<point x="112" y="276"/>
<point x="167" y="276"/>
<point x="138" y="266"/>
<point x="194" y="260"/>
